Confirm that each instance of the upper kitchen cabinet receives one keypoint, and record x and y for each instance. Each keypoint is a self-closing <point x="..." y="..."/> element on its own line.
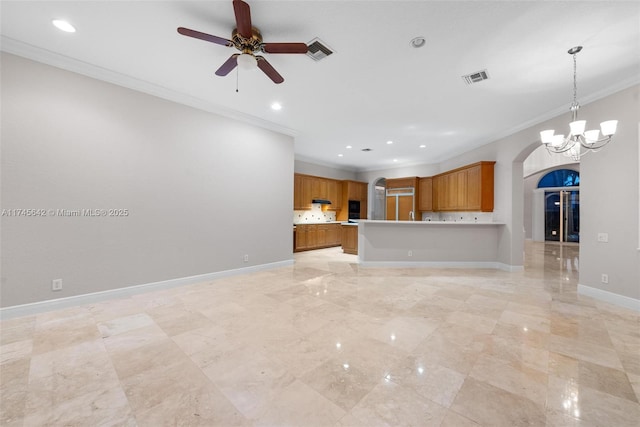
<point x="469" y="188"/>
<point x="425" y="194"/>
<point x="410" y="182"/>
<point x="307" y="188"/>
<point x="355" y="190"/>
<point x="334" y="194"/>
<point x="480" y="187"/>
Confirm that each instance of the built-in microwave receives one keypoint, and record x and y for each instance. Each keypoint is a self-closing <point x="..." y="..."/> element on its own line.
<point x="354" y="209"/>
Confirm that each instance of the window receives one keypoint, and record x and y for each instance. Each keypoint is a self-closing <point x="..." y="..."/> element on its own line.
<point x="560" y="178"/>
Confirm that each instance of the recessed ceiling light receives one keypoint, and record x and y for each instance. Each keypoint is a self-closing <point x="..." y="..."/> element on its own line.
<point x="395" y="160"/>
<point x="389" y="142"/>
<point x="276" y="106"/>
<point x="423" y="146"/>
<point x="63" y="26"/>
<point x="349" y="147"/>
<point x="417" y="42"/>
<point x="339" y="155"/>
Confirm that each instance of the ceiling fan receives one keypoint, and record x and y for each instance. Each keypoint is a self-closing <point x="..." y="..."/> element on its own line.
<point x="248" y="40"/>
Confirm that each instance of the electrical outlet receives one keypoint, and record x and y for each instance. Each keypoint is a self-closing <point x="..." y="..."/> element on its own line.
<point x="246" y="258"/>
<point x="603" y="237"/>
<point x="605" y="278"/>
<point x="410" y="253"/>
<point x="56" y="285"/>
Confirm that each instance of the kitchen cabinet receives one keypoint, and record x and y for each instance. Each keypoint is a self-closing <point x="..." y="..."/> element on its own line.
<point x="353" y="190"/>
<point x="316" y="236"/>
<point x="409" y="182"/>
<point x="350" y="239"/>
<point x="425" y="194"/>
<point x="334" y="194"/>
<point x="400" y="204"/>
<point x="469" y="188"/>
<point x="308" y="187"/>
<point x="401" y="198"/>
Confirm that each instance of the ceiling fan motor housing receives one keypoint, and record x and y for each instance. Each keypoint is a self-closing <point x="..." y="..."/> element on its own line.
<point x="250" y="45"/>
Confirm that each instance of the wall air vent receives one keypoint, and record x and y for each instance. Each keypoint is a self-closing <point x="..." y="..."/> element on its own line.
<point x="318" y="49"/>
<point x="475" y="77"/>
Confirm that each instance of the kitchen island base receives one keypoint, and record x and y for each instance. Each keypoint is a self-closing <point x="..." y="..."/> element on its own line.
<point x="437" y="244"/>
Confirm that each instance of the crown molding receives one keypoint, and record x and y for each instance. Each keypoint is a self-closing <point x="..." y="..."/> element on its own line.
<point x="67" y="63"/>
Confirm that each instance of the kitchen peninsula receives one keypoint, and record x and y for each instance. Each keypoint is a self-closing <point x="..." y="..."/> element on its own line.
<point x="430" y="244"/>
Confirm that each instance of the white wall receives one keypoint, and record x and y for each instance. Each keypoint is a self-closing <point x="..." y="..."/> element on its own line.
<point x="201" y="190"/>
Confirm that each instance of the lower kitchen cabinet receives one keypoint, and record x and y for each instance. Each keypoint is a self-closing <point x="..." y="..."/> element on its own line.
<point x="350" y="239"/>
<point x="316" y="236"/>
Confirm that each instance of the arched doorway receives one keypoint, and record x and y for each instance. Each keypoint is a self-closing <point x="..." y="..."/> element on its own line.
<point x="378" y="207"/>
<point x="561" y="205"/>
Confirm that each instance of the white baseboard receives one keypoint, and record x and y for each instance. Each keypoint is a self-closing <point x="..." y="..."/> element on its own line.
<point x="610" y="297"/>
<point x="441" y="264"/>
<point x="95" y="297"/>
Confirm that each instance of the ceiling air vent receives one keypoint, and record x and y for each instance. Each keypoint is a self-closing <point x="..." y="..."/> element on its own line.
<point x="318" y="50"/>
<point x="475" y="77"/>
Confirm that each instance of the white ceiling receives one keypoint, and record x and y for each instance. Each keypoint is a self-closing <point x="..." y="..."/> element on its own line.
<point x="375" y="87"/>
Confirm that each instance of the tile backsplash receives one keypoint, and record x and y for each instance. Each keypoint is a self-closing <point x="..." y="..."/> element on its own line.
<point x="316" y="214"/>
<point x="458" y="216"/>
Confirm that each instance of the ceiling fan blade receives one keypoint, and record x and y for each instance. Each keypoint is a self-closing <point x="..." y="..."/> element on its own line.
<point x="269" y="70"/>
<point x="285" y="47"/>
<point x="243" y="18"/>
<point x="203" y="36"/>
<point x="228" y="65"/>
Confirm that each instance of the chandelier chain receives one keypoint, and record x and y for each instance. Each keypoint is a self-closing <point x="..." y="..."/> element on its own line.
<point x="575" y="104"/>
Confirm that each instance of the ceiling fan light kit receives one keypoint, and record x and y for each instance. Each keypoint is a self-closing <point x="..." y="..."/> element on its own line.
<point x="579" y="142"/>
<point x="248" y="40"/>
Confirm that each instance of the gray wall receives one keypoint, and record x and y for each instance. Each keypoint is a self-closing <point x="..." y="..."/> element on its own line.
<point x="609" y="191"/>
<point x="323" y="171"/>
<point x="201" y="190"/>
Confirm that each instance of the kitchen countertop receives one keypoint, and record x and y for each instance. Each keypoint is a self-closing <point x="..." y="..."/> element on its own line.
<point x="375" y="221"/>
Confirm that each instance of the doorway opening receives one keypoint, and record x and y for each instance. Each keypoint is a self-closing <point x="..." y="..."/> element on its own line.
<point x="561" y="205"/>
<point x="379" y="199"/>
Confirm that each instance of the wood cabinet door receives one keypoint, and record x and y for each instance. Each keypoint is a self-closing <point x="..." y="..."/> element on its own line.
<point x="350" y="239"/>
<point x="425" y="194"/>
<point x="364" y="191"/>
<point x="405" y="208"/>
<point x="474" y="188"/>
<point x="391" y="208"/>
<point x="321" y="235"/>
<point x="307" y="191"/>
<point x="461" y="190"/>
<point x="301" y="237"/>
<point x="353" y="191"/>
<point x="333" y="234"/>
<point x="312" y="236"/>
<point x="297" y="192"/>
<point x="334" y="194"/>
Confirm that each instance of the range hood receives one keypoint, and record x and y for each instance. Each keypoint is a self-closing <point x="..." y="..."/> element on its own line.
<point x="321" y="201"/>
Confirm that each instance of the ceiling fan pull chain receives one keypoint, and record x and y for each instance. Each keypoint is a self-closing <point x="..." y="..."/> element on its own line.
<point x="237" y="78"/>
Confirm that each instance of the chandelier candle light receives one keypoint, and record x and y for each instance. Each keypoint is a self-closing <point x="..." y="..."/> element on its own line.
<point x="578" y="142"/>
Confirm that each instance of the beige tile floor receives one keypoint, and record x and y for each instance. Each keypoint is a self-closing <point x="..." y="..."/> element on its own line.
<point x="326" y="343"/>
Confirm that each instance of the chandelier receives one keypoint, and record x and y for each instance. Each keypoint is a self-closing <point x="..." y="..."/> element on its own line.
<point x="579" y="142"/>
